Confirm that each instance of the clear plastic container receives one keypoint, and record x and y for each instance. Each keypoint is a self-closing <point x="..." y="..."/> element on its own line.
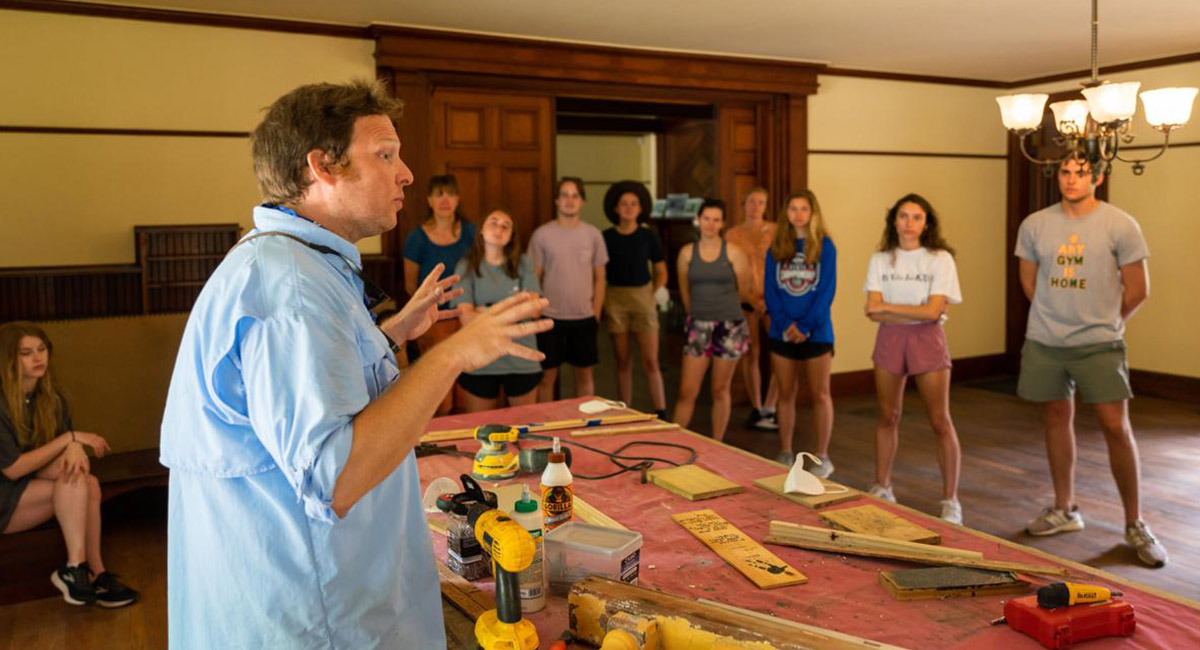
<point x="576" y="550"/>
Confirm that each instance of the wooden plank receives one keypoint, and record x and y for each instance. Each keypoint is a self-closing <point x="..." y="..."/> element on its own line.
<point x="620" y="431"/>
<point x="469" y="599"/>
<point x="539" y="427"/>
<point x="693" y="482"/>
<point x="950" y="582"/>
<point x="595" y="602"/>
<point x="761" y="566"/>
<point x="589" y="514"/>
<point x="843" y="539"/>
<point x="835" y="493"/>
<point x="921" y="555"/>
<point x="873" y="520"/>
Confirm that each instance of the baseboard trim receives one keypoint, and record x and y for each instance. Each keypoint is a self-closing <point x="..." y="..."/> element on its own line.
<point x="862" y="382"/>
<point x="1179" y="388"/>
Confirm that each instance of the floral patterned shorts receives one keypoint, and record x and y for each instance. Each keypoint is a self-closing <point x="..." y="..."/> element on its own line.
<point x="721" y="339"/>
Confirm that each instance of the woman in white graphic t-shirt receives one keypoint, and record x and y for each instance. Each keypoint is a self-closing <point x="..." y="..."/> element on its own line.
<point x="910" y="281"/>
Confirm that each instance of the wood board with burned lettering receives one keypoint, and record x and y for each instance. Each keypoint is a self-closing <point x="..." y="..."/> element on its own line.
<point x="761" y="566"/>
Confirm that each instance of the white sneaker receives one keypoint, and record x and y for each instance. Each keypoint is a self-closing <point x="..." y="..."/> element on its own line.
<point x="880" y="492"/>
<point x="1149" y="550"/>
<point x="952" y="511"/>
<point x="1052" y="520"/>
<point x="824" y="470"/>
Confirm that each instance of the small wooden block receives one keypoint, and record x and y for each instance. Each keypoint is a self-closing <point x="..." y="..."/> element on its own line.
<point x="873" y="520"/>
<point x="950" y="582"/>
<point x="761" y="566"/>
<point x="835" y="492"/>
<point x="693" y="482"/>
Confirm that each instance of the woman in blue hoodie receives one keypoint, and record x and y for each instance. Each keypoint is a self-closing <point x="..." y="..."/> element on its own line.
<point x="799" y="284"/>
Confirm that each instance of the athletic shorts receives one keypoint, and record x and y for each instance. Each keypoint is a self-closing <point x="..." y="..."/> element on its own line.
<point x="799" y="351"/>
<point x="1050" y="374"/>
<point x="911" y="349"/>
<point x="488" y="386"/>
<point x="570" y="341"/>
<point x="630" y="309"/>
<point x="720" y="339"/>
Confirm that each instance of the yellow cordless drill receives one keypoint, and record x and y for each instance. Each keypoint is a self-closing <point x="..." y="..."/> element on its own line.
<point x="512" y="550"/>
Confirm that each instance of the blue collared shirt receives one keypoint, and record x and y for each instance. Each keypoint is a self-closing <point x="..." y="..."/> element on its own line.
<point x="278" y="356"/>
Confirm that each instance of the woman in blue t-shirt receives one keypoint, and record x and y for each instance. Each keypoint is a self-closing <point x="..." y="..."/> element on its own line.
<point x="492" y="270"/>
<point x="444" y="237"/>
<point x="799" y="282"/>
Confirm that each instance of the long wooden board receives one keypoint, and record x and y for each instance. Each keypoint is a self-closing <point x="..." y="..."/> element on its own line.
<point x="683" y="622"/>
<point x="950" y="582"/>
<point x="693" y="482"/>
<point x="838" y="542"/>
<point x="844" y="539"/>
<point x="465" y="596"/>
<point x="761" y="566"/>
<point x="835" y="492"/>
<point x="539" y="427"/>
<point x="620" y="431"/>
<point x="873" y="520"/>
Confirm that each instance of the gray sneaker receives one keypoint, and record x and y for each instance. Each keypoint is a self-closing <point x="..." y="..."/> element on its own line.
<point x="952" y="511"/>
<point x="1149" y="550"/>
<point x="880" y="492"/>
<point x="1052" y="521"/>
<point x="785" y="458"/>
<point x="824" y="470"/>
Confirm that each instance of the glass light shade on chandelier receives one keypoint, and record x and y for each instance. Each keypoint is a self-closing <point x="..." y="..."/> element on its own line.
<point x="1094" y="130"/>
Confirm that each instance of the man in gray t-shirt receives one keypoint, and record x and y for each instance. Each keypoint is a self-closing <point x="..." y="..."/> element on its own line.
<point x="1083" y="269"/>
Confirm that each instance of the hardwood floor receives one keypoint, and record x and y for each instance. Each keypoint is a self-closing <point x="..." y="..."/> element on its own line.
<point x="1005" y="482"/>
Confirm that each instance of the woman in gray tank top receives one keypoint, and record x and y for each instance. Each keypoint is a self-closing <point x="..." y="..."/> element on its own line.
<point x="713" y="282"/>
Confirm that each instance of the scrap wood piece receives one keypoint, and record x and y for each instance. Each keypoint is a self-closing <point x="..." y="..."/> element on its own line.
<point x="538" y="427"/>
<point x="694" y="623"/>
<point x="950" y="582"/>
<point x="620" y="431"/>
<point x="466" y="597"/>
<point x="873" y="520"/>
<point x="848" y="540"/>
<point x="834" y="541"/>
<point x="761" y="566"/>
<point x="590" y="514"/>
<point x="693" y="482"/>
<point x="835" y="493"/>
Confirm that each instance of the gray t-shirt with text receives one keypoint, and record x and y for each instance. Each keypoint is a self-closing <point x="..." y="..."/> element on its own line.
<point x="492" y="285"/>
<point x="1077" y="299"/>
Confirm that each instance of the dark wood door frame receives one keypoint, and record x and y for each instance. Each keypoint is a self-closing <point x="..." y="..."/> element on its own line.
<point x="415" y="62"/>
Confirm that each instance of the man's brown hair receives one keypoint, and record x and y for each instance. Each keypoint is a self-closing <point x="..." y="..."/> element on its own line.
<point x="316" y="116"/>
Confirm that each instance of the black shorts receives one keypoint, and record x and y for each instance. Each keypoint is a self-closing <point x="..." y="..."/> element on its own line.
<point x="799" y="351"/>
<point x="570" y="341"/>
<point x="488" y="386"/>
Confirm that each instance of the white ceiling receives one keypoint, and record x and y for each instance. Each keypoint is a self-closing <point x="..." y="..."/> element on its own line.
<point x="1004" y="40"/>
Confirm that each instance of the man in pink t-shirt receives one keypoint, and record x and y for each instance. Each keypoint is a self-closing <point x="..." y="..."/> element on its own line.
<point x="569" y="256"/>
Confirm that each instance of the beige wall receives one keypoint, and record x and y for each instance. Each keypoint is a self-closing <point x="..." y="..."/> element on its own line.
<point x="856" y="190"/>
<point x="74" y="199"/>
<point x="601" y="159"/>
<point x="1161" y="336"/>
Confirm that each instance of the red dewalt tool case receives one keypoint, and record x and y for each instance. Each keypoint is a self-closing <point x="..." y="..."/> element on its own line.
<point x="1066" y="626"/>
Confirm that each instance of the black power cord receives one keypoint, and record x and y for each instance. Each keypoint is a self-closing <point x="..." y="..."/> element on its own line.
<point x="643" y="462"/>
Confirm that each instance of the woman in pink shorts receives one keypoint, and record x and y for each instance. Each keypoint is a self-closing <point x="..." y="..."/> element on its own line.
<point x="910" y="281"/>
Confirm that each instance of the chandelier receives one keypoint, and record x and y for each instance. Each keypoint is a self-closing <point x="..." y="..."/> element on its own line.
<point x="1094" y="130"/>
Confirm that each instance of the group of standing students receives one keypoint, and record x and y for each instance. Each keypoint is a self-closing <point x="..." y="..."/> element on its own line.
<point x="778" y="277"/>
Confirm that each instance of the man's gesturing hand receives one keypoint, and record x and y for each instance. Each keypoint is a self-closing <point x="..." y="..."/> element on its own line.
<point x="492" y="333"/>
<point x="421" y="311"/>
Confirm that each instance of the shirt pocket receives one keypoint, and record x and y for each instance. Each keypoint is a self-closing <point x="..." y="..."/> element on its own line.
<point x="379" y="366"/>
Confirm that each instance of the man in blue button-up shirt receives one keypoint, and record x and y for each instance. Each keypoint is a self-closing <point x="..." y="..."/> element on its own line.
<point x="295" y="519"/>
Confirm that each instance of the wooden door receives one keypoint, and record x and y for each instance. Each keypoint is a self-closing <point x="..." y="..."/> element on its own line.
<point x="501" y="149"/>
